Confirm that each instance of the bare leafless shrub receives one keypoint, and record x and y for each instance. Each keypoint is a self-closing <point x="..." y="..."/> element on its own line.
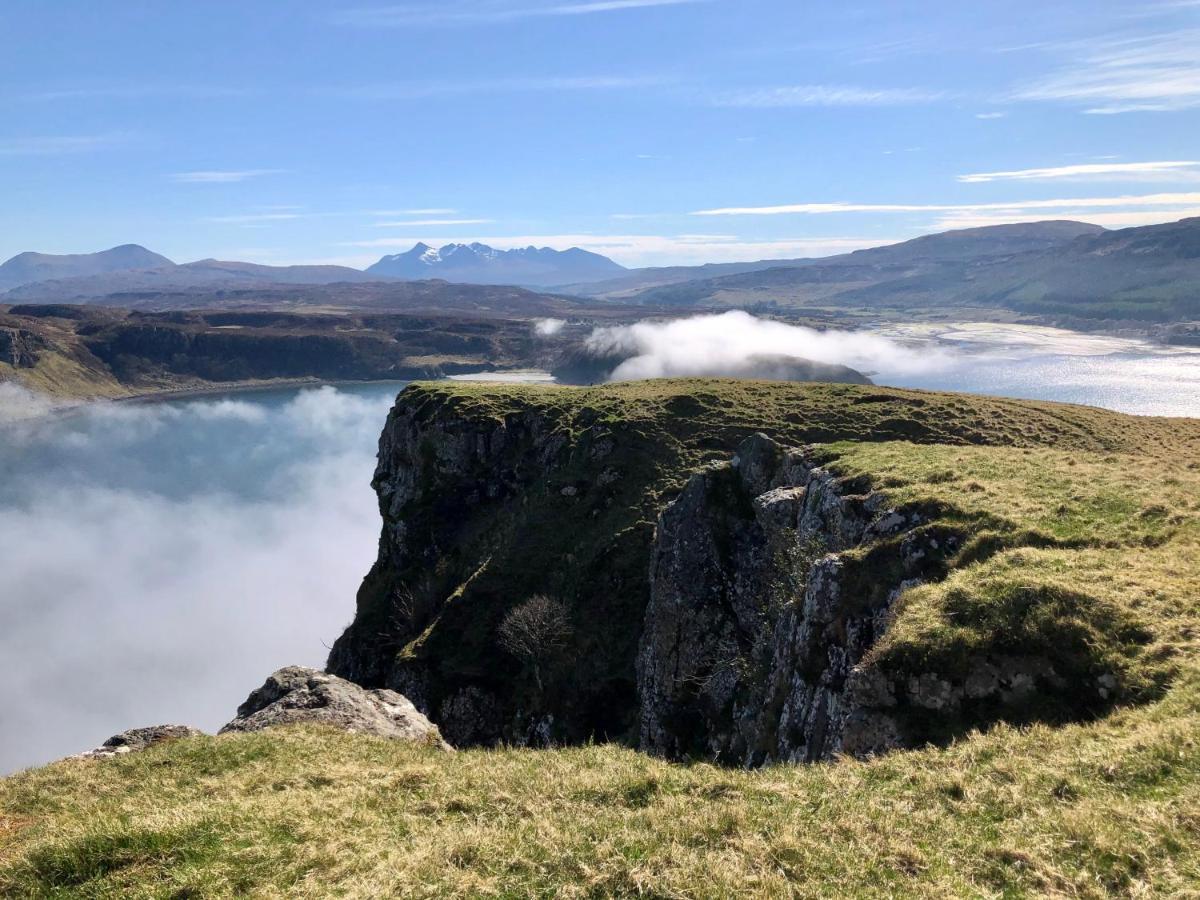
<point x="536" y="631"/>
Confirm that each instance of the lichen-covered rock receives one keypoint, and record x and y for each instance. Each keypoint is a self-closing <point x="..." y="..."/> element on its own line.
<point x="136" y="739"/>
<point x="297" y="695"/>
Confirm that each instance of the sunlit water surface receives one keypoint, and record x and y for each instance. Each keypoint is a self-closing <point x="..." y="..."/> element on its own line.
<point x="1126" y="375"/>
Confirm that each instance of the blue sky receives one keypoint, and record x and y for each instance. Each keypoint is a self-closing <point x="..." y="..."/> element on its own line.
<point x="656" y="131"/>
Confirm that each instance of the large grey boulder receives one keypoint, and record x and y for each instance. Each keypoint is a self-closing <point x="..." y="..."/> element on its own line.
<point x="298" y="695"/>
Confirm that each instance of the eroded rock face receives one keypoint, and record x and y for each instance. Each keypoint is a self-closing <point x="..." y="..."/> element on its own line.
<point x="771" y="581"/>
<point x="758" y="617"/>
<point x="20" y="348"/>
<point x="298" y="695"/>
<point x="136" y="739"/>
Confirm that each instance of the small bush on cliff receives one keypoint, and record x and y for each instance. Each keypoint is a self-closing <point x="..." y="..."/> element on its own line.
<point x="536" y="632"/>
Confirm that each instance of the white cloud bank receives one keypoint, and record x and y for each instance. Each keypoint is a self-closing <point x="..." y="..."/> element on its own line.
<point x="160" y="560"/>
<point x="725" y="344"/>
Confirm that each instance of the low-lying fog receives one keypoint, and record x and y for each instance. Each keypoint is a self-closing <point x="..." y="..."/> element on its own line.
<point x="1128" y="375"/>
<point x="159" y="560"/>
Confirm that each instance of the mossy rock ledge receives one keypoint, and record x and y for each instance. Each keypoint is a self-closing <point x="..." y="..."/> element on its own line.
<point x="756" y="572"/>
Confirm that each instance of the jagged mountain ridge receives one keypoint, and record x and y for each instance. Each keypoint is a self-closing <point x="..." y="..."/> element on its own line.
<point x="480" y="264"/>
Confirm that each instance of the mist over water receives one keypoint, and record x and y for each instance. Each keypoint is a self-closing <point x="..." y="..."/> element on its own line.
<point x="1031" y="362"/>
<point x="726" y="343"/>
<point x="159" y="560"/>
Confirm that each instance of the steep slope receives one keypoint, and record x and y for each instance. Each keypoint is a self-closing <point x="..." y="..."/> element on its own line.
<point x="490" y="498"/>
<point x="78" y="352"/>
<point x="25" y="268"/>
<point x="480" y="264"/>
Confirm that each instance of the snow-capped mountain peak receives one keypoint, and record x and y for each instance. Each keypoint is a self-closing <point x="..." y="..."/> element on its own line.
<point x="477" y="263"/>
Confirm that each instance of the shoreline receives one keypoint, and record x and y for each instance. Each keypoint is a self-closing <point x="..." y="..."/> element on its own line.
<point x="239" y="387"/>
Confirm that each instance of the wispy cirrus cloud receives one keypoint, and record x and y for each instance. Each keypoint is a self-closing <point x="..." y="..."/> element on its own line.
<point x="782" y="97"/>
<point x="254" y="219"/>
<point x="1121" y="218"/>
<point x="133" y="92"/>
<point x="218" y="176"/>
<point x="1157" y="72"/>
<point x="427" y="211"/>
<point x="56" y="145"/>
<point x="427" y="223"/>
<point x="419" y="90"/>
<point x="485" y="13"/>
<point x="1166" y="199"/>
<point x="1167" y="170"/>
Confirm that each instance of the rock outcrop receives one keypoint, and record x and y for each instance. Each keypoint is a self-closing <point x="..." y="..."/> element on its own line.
<point x="771" y="582"/>
<point x="136" y="739"/>
<point x="297" y="695"/>
<point x="726" y="608"/>
<point x="20" y="348"/>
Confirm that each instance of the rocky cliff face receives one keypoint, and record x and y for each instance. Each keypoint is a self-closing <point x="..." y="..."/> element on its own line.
<point x="770" y="583"/>
<point x="724" y="594"/>
<point x="479" y="515"/>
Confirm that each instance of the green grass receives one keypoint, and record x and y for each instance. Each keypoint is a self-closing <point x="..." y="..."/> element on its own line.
<point x="1079" y="542"/>
<point x="1105" y="809"/>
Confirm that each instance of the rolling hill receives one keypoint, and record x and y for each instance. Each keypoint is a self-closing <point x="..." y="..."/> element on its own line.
<point x="1148" y="274"/>
<point x="971" y="243"/>
<point x="26" y="268"/>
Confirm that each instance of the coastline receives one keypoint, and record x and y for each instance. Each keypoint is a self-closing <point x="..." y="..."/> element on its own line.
<point x="238" y="387"/>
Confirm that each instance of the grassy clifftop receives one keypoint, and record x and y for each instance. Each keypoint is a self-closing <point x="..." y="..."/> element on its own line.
<point x="1080" y="542"/>
<point x="565" y="501"/>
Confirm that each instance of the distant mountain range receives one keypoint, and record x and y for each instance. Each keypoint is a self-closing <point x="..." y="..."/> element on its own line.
<point x="971" y="243"/>
<point x="25" y="268"/>
<point x="1060" y="268"/>
<point x="1063" y="269"/>
<point x="481" y="264"/>
<point x="134" y="269"/>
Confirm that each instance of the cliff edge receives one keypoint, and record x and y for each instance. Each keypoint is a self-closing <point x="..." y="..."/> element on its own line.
<point x="753" y="571"/>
